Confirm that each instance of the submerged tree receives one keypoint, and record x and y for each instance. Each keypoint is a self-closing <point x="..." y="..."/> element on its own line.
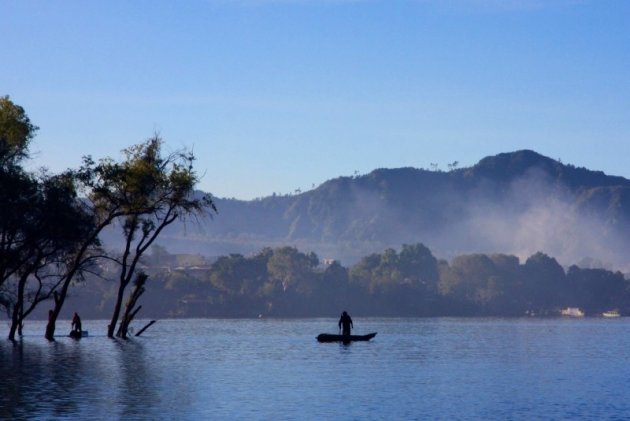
<point x="16" y="188"/>
<point x="132" y="308"/>
<point x="88" y="250"/>
<point x="50" y="225"/>
<point x="53" y="227"/>
<point x="40" y="222"/>
<point x="144" y="193"/>
<point x="157" y="190"/>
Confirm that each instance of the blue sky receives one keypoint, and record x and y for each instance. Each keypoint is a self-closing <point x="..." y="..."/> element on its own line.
<point x="279" y="95"/>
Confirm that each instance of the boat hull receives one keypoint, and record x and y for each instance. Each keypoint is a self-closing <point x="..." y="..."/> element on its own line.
<point x="329" y="337"/>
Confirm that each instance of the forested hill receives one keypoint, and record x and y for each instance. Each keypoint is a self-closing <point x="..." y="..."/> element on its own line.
<point x="519" y="203"/>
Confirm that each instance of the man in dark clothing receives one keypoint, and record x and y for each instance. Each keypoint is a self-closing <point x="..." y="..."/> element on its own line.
<point x="76" y="324"/>
<point x="346" y="322"/>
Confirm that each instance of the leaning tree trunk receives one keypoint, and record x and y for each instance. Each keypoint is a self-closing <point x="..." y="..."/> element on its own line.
<point x="18" y="309"/>
<point x="15" y="322"/>
<point x="119" y="297"/>
<point x="148" y="325"/>
<point x="59" y="299"/>
<point x="130" y="309"/>
<point x="123" y="329"/>
<point x="50" y="327"/>
<point x="52" y="320"/>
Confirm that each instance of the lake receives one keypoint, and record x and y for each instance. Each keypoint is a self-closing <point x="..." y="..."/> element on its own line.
<point x="275" y="369"/>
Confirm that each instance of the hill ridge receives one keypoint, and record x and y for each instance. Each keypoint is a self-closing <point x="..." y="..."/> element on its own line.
<point x="515" y="202"/>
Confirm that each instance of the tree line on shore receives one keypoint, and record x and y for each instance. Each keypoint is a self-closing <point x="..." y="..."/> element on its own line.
<point x="50" y="249"/>
<point x="50" y="224"/>
<point x="285" y="282"/>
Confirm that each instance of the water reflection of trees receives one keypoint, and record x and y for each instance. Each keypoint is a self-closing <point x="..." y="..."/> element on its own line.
<point x="40" y="381"/>
<point x="138" y="388"/>
<point x="77" y="380"/>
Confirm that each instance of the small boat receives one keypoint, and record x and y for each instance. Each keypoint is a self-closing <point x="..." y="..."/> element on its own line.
<point x="78" y="335"/>
<point x="329" y="337"/>
<point x="611" y="313"/>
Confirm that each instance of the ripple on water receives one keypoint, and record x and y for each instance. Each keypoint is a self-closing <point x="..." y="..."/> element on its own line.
<point x="262" y="369"/>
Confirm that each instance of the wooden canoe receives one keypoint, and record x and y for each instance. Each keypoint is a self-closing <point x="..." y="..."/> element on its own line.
<point x="329" y="337"/>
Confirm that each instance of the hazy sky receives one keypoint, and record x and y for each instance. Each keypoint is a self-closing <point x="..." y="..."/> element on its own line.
<point x="276" y="95"/>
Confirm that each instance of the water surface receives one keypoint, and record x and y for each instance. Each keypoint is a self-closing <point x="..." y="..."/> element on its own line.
<point x="275" y="369"/>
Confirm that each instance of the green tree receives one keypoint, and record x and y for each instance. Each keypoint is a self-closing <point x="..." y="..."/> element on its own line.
<point x="155" y="190"/>
<point x="53" y="227"/>
<point x="40" y="221"/>
<point x="414" y="266"/>
<point x="334" y="291"/>
<point x="16" y="132"/>
<point x="467" y="278"/>
<point x="596" y="290"/>
<point x="361" y="273"/>
<point x="419" y="266"/>
<point x="17" y="188"/>
<point x="145" y="193"/>
<point x="544" y="281"/>
<point x="481" y="283"/>
<point x="288" y="266"/>
<point x="398" y="283"/>
<point x="238" y="275"/>
<point x="509" y="279"/>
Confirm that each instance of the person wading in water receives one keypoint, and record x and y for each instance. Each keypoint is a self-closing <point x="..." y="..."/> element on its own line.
<point x="346" y="322"/>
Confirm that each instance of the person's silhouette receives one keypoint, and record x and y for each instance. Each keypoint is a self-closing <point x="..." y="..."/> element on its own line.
<point x="76" y="323"/>
<point x="346" y="322"/>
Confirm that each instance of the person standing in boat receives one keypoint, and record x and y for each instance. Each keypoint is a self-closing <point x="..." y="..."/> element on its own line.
<point x="76" y="323"/>
<point x="346" y="322"/>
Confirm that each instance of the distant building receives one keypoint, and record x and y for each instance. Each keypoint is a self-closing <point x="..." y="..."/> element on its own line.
<point x="572" y="312"/>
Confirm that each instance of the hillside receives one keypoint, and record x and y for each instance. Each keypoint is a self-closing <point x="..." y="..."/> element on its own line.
<point x="519" y="203"/>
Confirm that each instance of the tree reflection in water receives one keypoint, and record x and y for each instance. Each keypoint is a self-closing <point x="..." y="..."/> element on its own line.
<point x="95" y="377"/>
<point x="138" y="394"/>
<point x="39" y="379"/>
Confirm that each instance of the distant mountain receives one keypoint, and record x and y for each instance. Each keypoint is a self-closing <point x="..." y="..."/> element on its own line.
<point x="519" y="202"/>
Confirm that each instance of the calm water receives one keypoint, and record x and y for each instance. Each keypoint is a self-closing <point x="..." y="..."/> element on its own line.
<point x="275" y="369"/>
